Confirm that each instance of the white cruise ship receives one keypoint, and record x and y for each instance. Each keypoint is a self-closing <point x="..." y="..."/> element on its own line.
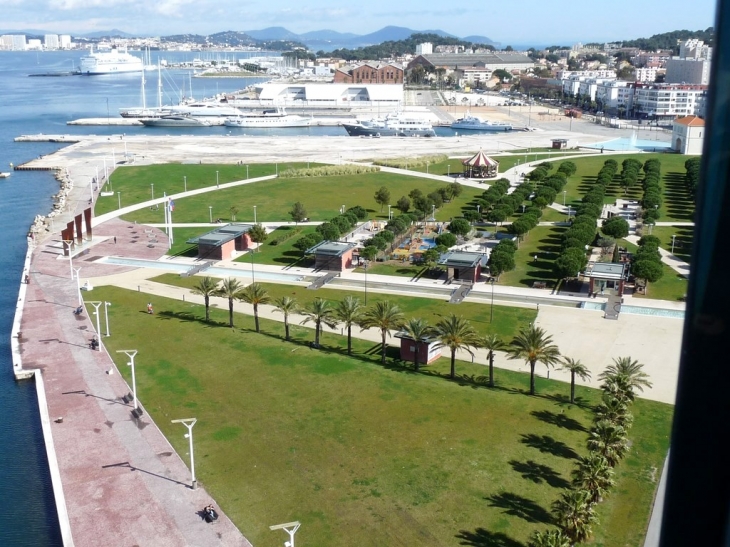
<point x="269" y="118"/>
<point x="112" y="62"/>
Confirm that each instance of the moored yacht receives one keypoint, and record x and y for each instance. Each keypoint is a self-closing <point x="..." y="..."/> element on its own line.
<point x="175" y="120"/>
<point x="393" y="125"/>
<point x="472" y="123"/>
<point x="268" y="118"/>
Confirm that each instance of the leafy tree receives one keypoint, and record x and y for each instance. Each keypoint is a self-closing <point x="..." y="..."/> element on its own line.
<point x="417" y="329"/>
<point x="234" y="211"/>
<point x="605" y="243"/>
<point x="231" y="289"/>
<point x="258" y="233"/>
<point x="382" y="197"/>
<point x="298" y="213"/>
<point x="255" y="294"/>
<point x="369" y="252"/>
<point x="616" y="227"/>
<point x="319" y="311"/>
<point x="574" y="515"/>
<point x="403" y="204"/>
<point x="492" y="343"/>
<point x="455" y="333"/>
<point x="533" y="345"/>
<point x="206" y="288"/>
<point x="329" y="231"/>
<point x="431" y="257"/>
<point x="649" y="270"/>
<point x="385" y="316"/>
<point x="447" y="239"/>
<point x="594" y="475"/>
<point x="455" y="189"/>
<point x="288" y="306"/>
<point x="460" y="227"/>
<point x="502" y="74"/>
<point x="348" y="312"/>
<point x="576" y="368"/>
<point x="501" y="261"/>
<point x="570" y="262"/>
<point x="308" y="241"/>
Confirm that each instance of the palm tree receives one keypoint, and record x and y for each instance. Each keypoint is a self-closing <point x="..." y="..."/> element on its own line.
<point x="623" y="377"/>
<point x="576" y="368"/>
<point x="320" y="312"/>
<point x="594" y="474"/>
<point x="492" y="343"/>
<point x="417" y="329"/>
<point x="455" y="333"/>
<point x="574" y="515"/>
<point x="549" y="538"/>
<point x="384" y="316"/>
<point x="348" y="312"/>
<point x="230" y="289"/>
<point x="609" y="440"/>
<point x="614" y="410"/>
<point x="255" y="294"/>
<point x="206" y="288"/>
<point x="533" y="344"/>
<point x="286" y="305"/>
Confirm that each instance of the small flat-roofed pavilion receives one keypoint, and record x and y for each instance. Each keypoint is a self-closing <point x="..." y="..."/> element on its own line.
<point x="221" y="243"/>
<point x="427" y="349"/>
<point x="462" y="265"/>
<point x="606" y="275"/>
<point x="332" y="255"/>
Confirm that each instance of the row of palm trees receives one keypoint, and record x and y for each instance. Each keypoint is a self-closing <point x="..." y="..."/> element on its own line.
<point x="607" y="442"/>
<point x="532" y="344"/>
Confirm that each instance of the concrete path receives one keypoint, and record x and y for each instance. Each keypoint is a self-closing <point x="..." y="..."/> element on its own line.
<point x="678" y="265"/>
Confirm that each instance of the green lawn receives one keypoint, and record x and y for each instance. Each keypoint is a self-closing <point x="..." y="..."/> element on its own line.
<point x="543" y="241"/>
<point x="398" y="269"/>
<point x="507" y="320"/>
<point x="365" y="455"/>
<point x="672" y="286"/>
<point x="282" y="254"/>
<point x="682" y="243"/>
<point x="322" y="197"/>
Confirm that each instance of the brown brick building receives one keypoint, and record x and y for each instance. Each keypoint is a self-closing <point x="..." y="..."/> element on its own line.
<point x="369" y="74"/>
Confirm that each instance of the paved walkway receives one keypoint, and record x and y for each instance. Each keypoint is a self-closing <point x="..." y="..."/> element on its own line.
<point x="679" y="266"/>
<point x="123" y="482"/>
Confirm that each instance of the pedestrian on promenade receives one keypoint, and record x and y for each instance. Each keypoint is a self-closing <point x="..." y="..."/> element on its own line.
<point x="115" y="240"/>
<point x="149" y="308"/>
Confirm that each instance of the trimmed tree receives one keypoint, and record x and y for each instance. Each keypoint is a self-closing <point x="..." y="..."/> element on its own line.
<point x="576" y="368"/>
<point x="455" y="333"/>
<point x="255" y="294"/>
<point x="206" y="288"/>
<point x="348" y="312"/>
<point x="318" y="311"/>
<point x="385" y="316"/>
<point x="298" y="213"/>
<point x="616" y="227"/>
<point x="258" y="233"/>
<point x="288" y="306"/>
<point x="533" y="345"/>
<point x="492" y="343"/>
<point x="231" y="289"/>
<point x="382" y="197"/>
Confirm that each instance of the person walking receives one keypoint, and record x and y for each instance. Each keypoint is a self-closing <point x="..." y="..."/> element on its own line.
<point x="149" y="308"/>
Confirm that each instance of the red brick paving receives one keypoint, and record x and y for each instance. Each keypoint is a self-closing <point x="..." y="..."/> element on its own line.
<point x="123" y="482"/>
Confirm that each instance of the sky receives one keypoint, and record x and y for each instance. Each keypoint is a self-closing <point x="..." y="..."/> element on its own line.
<point x="508" y="22"/>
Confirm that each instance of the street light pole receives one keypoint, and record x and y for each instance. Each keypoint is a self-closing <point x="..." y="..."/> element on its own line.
<point x="290" y="528"/>
<point x="78" y="285"/>
<point x="119" y="200"/>
<point x="673" y="236"/>
<point x="185" y="182"/>
<point x="131" y="353"/>
<point x="254" y="214"/>
<point x="491" y="306"/>
<point x="97" y="305"/>
<point x="189" y="423"/>
<point x="106" y="316"/>
<point x="210" y="213"/>
<point x="366" y="282"/>
<point x="152" y="186"/>
<point x="70" y="258"/>
<point x="564" y="191"/>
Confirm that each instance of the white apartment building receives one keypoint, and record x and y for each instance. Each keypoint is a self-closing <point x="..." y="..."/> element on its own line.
<point x="615" y="94"/>
<point x="695" y="49"/>
<point x="603" y="73"/>
<point x="473" y="75"/>
<point x="646" y="74"/>
<point x="425" y="48"/>
<point x="50" y="41"/>
<point x="688" y="71"/>
<point x="586" y="87"/>
<point x="14" y="42"/>
<point x="668" y="100"/>
<point x="64" y="41"/>
<point x="34" y="44"/>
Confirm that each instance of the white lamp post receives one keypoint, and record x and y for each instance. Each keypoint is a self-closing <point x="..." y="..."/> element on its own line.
<point x="189" y="423"/>
<point x="106" y="316"/>
<point x="131" y="353"/>
<point x="185" y="182"/>
<point x="152" y="186"/>
<point x="389" y="216"/>
<point x="217" y="183"/>
<point x="69" y="242"/>
<point x="254" y="214"/>
<point x="247" y="172"/>
<point x="210" y="213"/>
<point x="673" y="236"/>
<point x="290" y="528"/>
<point x="564" y="191"/>
<point x="119" y="200"/>
<point x="78" y="285"/>
<point x="97" y="305"/>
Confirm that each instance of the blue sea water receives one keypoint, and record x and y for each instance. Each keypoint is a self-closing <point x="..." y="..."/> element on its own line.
<point x="31" y="106"/>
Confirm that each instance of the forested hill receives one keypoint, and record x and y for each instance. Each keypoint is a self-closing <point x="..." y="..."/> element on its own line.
<point x="668" y="40"/>
<point x="398" y="47"/>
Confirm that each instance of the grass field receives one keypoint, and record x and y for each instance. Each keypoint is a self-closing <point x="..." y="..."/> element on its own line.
<point x="322" y="197"/>
<point x="507" y="320"/>
<point x="543" y="241"/>
<point x="365" y="455"/>
<point x="672" y="286"/>
<point x="682" y="243"/>
<point x="282" y="254"/>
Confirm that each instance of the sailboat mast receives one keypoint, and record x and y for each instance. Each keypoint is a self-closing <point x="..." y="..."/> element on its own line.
<point x="159" y="85"/>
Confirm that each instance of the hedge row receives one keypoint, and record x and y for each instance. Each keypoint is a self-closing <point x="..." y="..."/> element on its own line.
<point x="692" y="176"/>
<point x="652" y="190"/>
<point x="404" y="163"/>
<point x="328" y="171"/>
<point x="290" y="233"/>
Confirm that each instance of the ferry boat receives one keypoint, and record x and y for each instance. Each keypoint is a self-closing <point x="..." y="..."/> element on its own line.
<point x="176" y="120"/>
<point x="269" y="118"/>
<point x="111" y="62"/>
<point x="393" y="125"/>
<point x="472" y="123"/>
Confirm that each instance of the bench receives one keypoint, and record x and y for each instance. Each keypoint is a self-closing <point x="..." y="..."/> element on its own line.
<point x="539" y="285"/>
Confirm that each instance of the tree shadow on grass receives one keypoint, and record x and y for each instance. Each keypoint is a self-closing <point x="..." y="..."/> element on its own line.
<point x="560" y="420"/>
<point x="546" y="444"/>
<point x="190" y="317"/>
<point x="484" y="538"/>
<point x="539" y="473"/>
<point x="517" y="506"/>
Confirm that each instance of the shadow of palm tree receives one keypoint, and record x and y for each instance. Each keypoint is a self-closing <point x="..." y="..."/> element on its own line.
<point x="546" y="444"/>
<point x="187" y="316"/>
<point x="517" y="506"/>
<point x="484" y="538"/>
<point x="560" y="420"/>
<point x="539" y="473"/>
